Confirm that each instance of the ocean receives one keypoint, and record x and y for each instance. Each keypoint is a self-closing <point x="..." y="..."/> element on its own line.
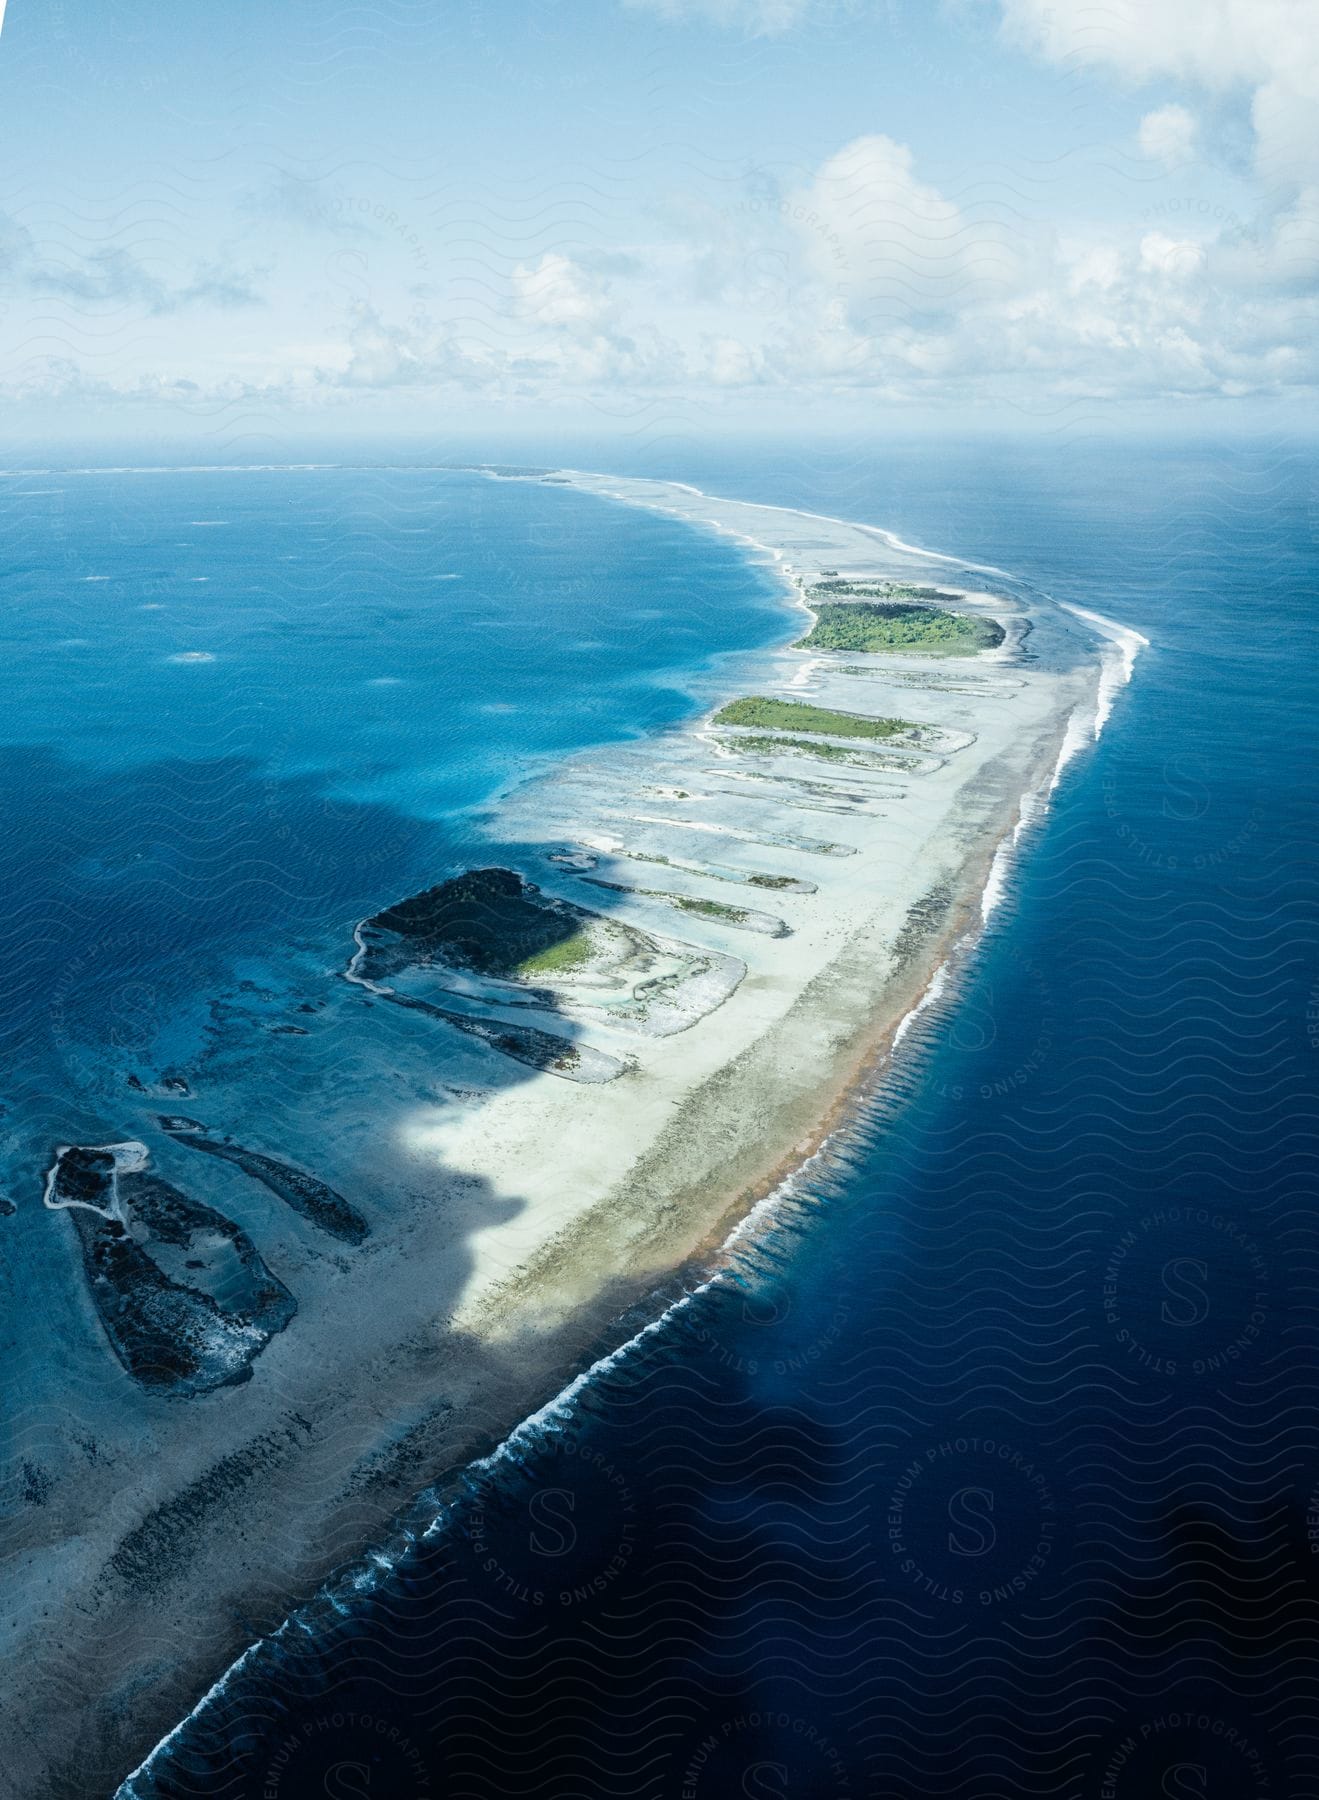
<point x="988" y="1467"/>
<point x="244" y="708"/>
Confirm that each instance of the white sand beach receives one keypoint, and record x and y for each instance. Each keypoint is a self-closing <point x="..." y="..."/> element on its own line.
<point x="787" y="904"/>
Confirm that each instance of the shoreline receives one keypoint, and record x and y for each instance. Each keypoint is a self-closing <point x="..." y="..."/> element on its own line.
<point x="708" y="1262"/>
<point x="683" y="1177"/>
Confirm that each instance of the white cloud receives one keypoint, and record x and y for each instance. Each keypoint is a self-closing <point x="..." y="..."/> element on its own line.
<point x="1220" y="302"/>
<point x="920" y="292"/>
<point x="556" y="291"/>
<point x="1268" y="46"/>
<point x="893" y="244"/>
<point x="865" y="274"/>
<point x="1283" y="254"/>
<point x="1175" y="257"/>
<point x="1217" y="43"/>
<point x="731" y="363"/>
<point x="109" y="275"/>
<point x="1097" y="266"/>
<point x="870" y="278"/>
<point x="1168" y="135"/>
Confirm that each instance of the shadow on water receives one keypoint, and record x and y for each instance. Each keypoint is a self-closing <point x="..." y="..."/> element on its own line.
<point x="994" y="1473"/>
<point x="182" y="894"/>
<point x="187" y="875"/>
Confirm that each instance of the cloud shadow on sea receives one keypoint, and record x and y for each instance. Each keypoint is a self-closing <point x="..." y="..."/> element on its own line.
<point x="135" y="890"/>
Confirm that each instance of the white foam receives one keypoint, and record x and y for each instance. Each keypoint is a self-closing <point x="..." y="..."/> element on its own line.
<point x="1077" y="737"/>
<point x="555" y="1413"/>
<point x="126" y="1790"/>
<point x="1117" y="667"/>
<point x="996" y="885"/>
<point x="933" y="993"/>
<point x="1083" y="726"/>
<point x="890" y="538"/>
<point x="129" y="1158"/>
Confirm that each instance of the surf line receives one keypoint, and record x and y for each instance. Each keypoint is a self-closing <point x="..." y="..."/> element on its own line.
<point x="559" y="1410"/>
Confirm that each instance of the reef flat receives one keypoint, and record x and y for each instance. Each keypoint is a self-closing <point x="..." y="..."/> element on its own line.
<point x="184" y="1298"/>
<point x="516" y="1099"/>
<point x="491" y="936"/>
<point x="304" y="1193"/>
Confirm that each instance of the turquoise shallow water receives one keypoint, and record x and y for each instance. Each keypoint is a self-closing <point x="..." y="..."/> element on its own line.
<point x="243" y="708"/>
<point x="992" y="1470"/>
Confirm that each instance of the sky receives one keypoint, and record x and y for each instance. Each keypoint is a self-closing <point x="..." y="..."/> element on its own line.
<point x="326" y="219"/>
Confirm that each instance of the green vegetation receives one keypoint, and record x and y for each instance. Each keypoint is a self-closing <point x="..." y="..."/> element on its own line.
<point x="877" y="590"/>
<point x="826" y="752"/>
<point x="558" y="959"/>
<point x="799" y="715"/>
<point x="710" y="909"/>
<point x="489" y="920"/>
<point x="869" y="626"/>
<point x="834" y="753"/>
<point x="715" y="874"/>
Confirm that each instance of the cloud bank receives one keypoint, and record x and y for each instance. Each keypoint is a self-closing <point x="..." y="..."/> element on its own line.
<point x="861" y="274"/>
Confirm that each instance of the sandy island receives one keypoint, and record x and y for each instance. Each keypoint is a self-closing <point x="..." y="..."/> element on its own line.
<point x="644" y="1018"/>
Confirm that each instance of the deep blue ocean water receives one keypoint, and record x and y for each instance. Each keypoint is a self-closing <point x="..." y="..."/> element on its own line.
<point x="992" y="1469"/>
<point x="242" y="709"/>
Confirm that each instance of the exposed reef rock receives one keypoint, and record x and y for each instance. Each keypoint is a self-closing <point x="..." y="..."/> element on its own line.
<point x="304" y="1193"/>
<point x="527" y="1216"/>
<point x="737" y="918"/>
<point x="767" y="745"/>
<point x="490" y="937"/>
<point x="490" y="921"/>
<point x="587" y="858"/>
<point x="87" y="1175"/>
<point x="181" y="1291"/>
<point x="524" y="1043"/>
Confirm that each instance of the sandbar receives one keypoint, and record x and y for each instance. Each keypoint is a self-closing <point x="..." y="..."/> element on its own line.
<point x="748" y="918"/>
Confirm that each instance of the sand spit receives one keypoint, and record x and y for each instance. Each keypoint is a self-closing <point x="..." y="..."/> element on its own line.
<point x="515" y="1215"/>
